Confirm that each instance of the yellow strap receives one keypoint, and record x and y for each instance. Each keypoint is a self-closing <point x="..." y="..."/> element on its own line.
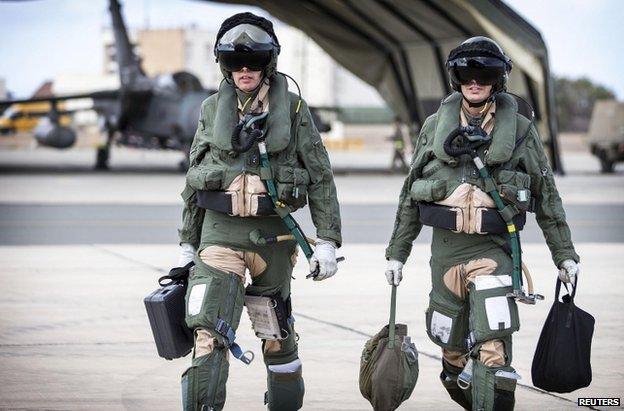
<point x="511" y="228"/>
<point x="298" y="106"/>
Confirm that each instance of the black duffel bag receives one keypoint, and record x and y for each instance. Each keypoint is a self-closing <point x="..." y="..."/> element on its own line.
<point x="562" y="358"/>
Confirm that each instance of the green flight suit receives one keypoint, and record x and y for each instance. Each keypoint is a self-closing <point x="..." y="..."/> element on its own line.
<point x="477" y="322"/>
<point x="302" y="173"/>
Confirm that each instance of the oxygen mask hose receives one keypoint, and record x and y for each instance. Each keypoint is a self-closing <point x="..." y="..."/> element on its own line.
<point x="456" y="150"/>
<point x="465" y="140"/>
<point x="247" y="132"/>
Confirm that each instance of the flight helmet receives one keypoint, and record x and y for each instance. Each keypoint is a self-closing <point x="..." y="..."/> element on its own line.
<point x="246" y="40"/>
<point x="479" y="58"/>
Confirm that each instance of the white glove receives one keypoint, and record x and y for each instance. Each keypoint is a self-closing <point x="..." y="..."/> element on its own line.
<point x="394" y="272"/>
<point x="568" y="271"/>
<point x="324" y="257"/>
<point x="187" y="253"/>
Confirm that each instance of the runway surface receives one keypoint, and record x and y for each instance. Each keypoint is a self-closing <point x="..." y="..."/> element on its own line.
<point x="22" y="224"/>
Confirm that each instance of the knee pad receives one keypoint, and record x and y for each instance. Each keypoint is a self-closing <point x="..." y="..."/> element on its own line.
<point x="493" y="388"/>
<point x="285" y="386"/>
<point x="203" y="384"/>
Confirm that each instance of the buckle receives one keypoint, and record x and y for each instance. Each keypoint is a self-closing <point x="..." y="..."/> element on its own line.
<point x="225" y="330"/>
<point x="464" y="379"/>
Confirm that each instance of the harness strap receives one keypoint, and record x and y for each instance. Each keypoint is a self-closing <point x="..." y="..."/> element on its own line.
<point x="441" y="216"/>
<point x="391" y="322"/>
<point x="221" y="201"/>
<point x="280" y="208"/>
<point x="224" y="329"/>
<point x="507" y="214"/>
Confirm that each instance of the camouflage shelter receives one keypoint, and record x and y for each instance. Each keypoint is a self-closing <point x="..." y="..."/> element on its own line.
<point x="400" y="48"/>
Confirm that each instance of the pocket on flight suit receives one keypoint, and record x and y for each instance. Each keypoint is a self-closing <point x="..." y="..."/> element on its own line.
<point x="205" y="176"/>
<point x="493" y="387"/>
<point x="428" y="190"/>
<point x="211" y="295"/>
<point x="504" y="393"/>
<point x="515" y="188"/>
<point x="492" y="314"/>
<point x="292" y="185"/>
<point x="447" y="324"/>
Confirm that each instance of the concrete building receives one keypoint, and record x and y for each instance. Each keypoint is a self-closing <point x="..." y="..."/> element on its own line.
<point x="168" y="50"/>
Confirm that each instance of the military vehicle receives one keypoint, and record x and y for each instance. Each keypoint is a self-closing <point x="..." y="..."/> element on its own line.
<point x="606" y="133"/>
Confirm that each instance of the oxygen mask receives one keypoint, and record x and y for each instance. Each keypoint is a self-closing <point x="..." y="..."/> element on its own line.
<point x="248" y="131"/>
<point x="466" y="140"/>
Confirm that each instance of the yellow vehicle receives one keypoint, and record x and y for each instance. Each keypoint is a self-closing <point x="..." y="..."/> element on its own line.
<point x="24" y="117"/>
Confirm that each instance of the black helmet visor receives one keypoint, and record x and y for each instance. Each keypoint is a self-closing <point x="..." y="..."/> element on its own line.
<point x="483" y="70"/>
<point x="236" y="60"/>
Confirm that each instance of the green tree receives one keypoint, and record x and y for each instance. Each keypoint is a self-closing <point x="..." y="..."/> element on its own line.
<point x="574" y="99"/>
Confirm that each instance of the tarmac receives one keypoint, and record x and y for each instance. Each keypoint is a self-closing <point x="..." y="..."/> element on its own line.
<point x="74" y="333"/>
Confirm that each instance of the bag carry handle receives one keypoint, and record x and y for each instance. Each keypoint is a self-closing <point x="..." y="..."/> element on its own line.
<point x="176" y="275"/>
<point x="559" y="283"/>
<point x="392" y="318"/>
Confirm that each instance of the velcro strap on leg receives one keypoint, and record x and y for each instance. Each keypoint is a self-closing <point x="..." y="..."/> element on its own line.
<point x="224" y="329"/>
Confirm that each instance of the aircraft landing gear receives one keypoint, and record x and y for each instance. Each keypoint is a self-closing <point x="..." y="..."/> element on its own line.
<point x="102" y="154"/>
<point x="101" y="158"/>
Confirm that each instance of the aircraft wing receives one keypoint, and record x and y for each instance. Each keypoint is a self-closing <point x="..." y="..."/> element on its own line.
<point x="96" y="95"/>
<point x="400" y="48"/>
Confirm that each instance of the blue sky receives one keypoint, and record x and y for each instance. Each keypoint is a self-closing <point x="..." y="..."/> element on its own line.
<point x="39" y="39"/>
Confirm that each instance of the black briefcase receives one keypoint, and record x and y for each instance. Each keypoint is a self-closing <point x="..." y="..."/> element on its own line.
<point x="165" y="310"/>
<point x="562" y="360"/>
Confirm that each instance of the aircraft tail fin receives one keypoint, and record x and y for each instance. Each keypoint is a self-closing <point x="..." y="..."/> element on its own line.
<point x="130" y="71"/>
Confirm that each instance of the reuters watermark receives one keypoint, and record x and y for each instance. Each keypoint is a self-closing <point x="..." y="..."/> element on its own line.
<point x="598" y="402"/>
